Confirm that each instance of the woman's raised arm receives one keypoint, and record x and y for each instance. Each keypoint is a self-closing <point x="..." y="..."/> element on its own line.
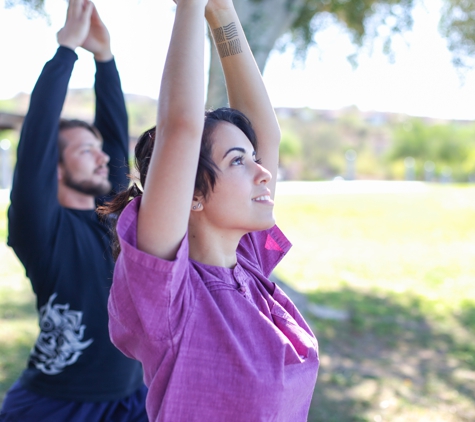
<point x="168" y="192"/>
<point x="246" y="90"/>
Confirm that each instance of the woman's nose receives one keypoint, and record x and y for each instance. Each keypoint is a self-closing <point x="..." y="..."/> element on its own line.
<point x="263" y="175"/>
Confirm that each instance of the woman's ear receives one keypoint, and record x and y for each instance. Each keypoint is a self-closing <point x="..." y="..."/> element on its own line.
<point x="197" y="203"/>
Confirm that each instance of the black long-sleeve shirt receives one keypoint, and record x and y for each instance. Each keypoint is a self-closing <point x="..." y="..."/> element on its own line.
<point x="66" y="252"/>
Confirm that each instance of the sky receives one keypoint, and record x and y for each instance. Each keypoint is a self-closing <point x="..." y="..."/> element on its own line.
<point x="421" y="81"/>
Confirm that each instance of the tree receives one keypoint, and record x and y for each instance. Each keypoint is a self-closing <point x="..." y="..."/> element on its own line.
<point x="280" y="23"/>
<point x="271" y="23"/>
<point x="457" y="24"/>
<point x="32" y="7"/>
<point x="448" y="145"/>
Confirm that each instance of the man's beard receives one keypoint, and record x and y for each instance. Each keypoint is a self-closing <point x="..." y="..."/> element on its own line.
<point x="87" y="187"/>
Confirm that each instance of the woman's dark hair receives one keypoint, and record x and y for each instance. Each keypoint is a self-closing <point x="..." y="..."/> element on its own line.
<point x="207" y="172"/>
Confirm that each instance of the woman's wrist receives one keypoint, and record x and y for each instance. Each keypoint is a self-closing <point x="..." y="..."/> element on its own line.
<point x="217" y="17"/>
<point x="194" y="4"/>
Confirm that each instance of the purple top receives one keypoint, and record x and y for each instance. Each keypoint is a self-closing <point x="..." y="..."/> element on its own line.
<point x="216" y="344"/>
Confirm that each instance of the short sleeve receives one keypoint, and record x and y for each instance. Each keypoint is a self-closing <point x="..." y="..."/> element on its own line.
<point x="150" y="297"/>
<point x="264" y="249"/>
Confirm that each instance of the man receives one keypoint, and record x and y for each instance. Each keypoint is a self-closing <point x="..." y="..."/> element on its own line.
<point x="74" y="373"/>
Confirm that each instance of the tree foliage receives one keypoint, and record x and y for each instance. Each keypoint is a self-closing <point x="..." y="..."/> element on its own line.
<point x="457" y="25"/>
<point x="360" y="17"/>
<point x="32" y="7"/>
<point x="304" y="18"/>
<point x="282" y="23"/>
<point x="444" y="143"/>
<point x="448" y="145"/>
<point x="314" y="144"/>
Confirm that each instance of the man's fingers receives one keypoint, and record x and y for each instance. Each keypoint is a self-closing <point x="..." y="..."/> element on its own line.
<point x="85" y="17"/>
<point x="95" y="14"/>
<point x="75" y="7"/>
<point x="89" y="9"/>
<point x="77" y="24"/>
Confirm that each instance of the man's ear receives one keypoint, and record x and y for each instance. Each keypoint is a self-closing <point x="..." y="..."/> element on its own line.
<point x="60" y="172"/>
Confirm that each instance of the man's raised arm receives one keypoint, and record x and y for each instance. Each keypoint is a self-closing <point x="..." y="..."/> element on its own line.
<point x="111" y="114"/>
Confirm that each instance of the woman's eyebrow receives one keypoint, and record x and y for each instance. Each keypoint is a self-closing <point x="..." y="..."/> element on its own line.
<point x="234" y="149"/>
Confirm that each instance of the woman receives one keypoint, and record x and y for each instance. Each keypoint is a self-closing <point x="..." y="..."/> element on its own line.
<point x="191" y="297"/>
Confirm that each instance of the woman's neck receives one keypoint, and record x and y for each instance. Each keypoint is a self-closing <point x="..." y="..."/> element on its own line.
<point x="211" y="246"/>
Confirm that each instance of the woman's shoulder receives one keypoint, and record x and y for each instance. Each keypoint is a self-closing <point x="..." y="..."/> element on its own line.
<point x="264" y="249"/>
<point x="132" y="258"/>
<point x="127" y="221"/>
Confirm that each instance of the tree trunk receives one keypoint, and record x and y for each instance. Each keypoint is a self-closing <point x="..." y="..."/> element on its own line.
<point x="217" y="95"/>
<point x="264" y="22"/>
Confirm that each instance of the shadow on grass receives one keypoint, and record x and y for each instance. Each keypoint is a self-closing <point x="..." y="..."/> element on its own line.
<point x="16" y="310"/>
<point x="467" y="315"/>
<point x="394" y="353"/>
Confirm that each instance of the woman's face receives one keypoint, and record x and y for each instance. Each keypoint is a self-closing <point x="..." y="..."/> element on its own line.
<point x="241" y="199"/>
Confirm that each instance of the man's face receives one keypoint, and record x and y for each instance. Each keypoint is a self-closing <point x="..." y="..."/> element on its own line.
<point x="84" y="164"/>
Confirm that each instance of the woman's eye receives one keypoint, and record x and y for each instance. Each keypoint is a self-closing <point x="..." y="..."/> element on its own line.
<point x="258" y="160"/>
<point x="238" y="161"/>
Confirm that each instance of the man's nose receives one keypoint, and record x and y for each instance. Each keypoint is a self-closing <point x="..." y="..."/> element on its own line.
<point x="103" y="157"/>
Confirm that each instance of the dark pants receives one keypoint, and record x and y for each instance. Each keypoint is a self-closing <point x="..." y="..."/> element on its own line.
<point x="21" y="405"/>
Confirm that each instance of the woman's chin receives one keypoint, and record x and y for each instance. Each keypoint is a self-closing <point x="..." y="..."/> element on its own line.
<point x="267" y="224"/>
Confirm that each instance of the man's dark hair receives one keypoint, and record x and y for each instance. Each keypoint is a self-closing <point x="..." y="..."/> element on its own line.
<point x="65" y="124"/>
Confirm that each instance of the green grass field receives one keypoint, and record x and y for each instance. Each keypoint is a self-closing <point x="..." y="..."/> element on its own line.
<point x="400" y="265"/>
<point x="18" y="326"/>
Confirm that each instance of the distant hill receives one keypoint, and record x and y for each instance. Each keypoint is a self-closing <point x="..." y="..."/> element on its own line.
<point x="142" y="111"/>
<point x="316" y="143"/>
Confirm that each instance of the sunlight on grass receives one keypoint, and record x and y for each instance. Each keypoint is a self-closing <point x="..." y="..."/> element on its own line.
<point x="423" y="243"/>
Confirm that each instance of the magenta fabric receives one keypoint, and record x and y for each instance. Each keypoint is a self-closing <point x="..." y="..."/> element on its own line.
<point x="216" y="344"/>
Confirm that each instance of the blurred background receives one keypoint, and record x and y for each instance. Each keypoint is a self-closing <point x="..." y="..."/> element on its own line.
<point x="376" y="188"/>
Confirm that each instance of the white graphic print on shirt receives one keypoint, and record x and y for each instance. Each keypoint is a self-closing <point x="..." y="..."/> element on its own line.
<point x="59" y="342"/>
